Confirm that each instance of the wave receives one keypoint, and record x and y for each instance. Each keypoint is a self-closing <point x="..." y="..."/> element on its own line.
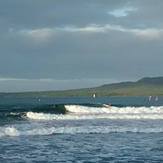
<point x="80" y="112"/>
<point x="77" y="112"/>
<point x="15" y="132"/>
<point x="57" y="109"/>
<point x="78" y="109"/>
<point x="9" y="113"/>
<point x="46" y="117"/>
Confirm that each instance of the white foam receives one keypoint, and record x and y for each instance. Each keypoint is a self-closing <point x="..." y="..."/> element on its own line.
<point x="13" y="131"/>
<point x="77" y="112"/>
<point x="111" y="109"/>
<point x="8" y="131"/>
<point x="46" y="117"/>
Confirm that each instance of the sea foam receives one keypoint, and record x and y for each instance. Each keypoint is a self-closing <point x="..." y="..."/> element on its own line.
<point x="14" y="132"/>
<point x="77" y="112"/>
<point x="112" y="109"/>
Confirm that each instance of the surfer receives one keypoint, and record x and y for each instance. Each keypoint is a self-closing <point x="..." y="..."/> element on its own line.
<point x="107" y="105"/>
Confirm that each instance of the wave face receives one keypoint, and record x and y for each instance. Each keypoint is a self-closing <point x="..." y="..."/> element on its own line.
<point x="78" y="112"/>
<point x="10" y="113"/>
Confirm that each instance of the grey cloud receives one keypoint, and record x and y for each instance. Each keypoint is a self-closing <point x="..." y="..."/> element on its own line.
<point x="77" y="39"/>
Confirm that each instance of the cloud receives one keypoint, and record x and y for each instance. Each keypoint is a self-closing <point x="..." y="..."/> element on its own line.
<point x="122" y="12"/>
<point x="45" y="34"/>
<point x="149" y="33"/>
<point x="79" y="39"/>
<point x="38" y="35"/>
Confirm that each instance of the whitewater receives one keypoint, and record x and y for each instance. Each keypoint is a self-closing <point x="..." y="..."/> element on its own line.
<point x="78" y="112"/>
<point x="78" y="130"/>
<point x="82" y="113"/>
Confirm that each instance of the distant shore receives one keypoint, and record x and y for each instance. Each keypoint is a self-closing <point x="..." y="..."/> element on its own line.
<point x="142" y="87"/>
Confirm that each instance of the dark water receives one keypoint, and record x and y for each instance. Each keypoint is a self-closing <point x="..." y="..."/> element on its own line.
<point x="81" y="130"/>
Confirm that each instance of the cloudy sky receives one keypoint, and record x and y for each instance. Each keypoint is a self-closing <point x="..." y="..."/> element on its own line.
<point x="63" y="44"/>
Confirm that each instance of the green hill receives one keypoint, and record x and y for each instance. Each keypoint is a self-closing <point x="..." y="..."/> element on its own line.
<point x="142" y="87"/>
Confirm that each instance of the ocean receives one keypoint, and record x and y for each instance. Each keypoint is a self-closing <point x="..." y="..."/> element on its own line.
<point x="102" y="129"/>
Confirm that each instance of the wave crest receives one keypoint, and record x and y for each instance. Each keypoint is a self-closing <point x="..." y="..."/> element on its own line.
<point x="78" y="109"/>
<point x="77" y="112"/>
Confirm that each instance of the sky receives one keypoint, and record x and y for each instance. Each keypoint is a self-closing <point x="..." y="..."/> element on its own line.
<point x="67" y="44"/>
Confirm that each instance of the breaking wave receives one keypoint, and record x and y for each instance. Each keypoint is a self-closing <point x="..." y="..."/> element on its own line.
<point x="14" y="132"/>
<point x="10" y="113"/>
<point x="81" y="112"/>
<point x="42" y="116"/>
<point x="77" y="112"/>
<point x="112" y="109"/>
